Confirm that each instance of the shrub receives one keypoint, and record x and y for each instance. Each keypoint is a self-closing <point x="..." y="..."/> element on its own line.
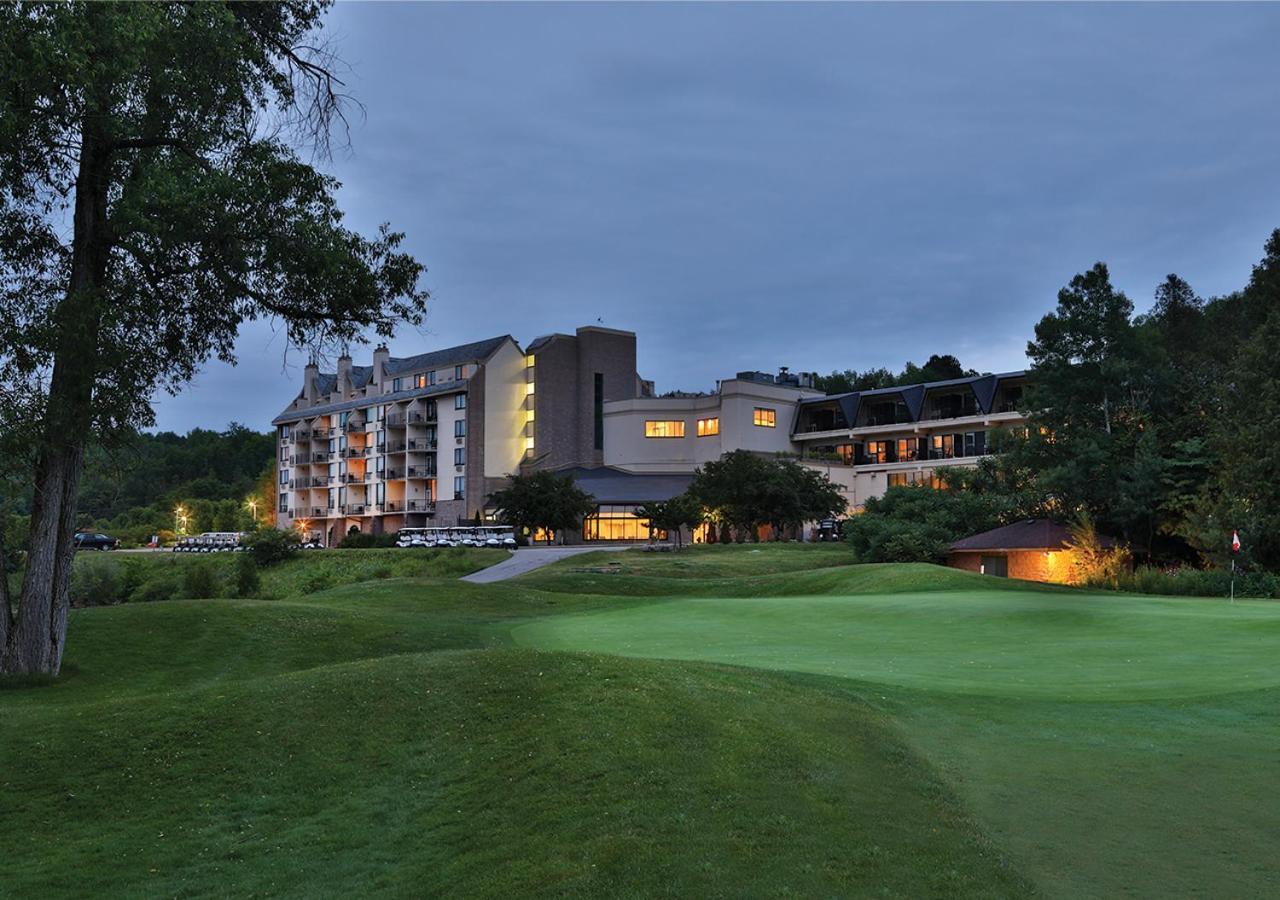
<point x="248" y="581"/>
<point x="916" y="523"/>
<point x="1198" y="582"/>
<point x="200" y="580"/>
<point x="271" y="545"/>
<point x="163" y="586"/>
<point x="96" y="581"/>
<point x="361" y="540"/>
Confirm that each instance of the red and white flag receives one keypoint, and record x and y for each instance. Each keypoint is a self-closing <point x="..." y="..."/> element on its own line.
<point x="1235" y="542"/>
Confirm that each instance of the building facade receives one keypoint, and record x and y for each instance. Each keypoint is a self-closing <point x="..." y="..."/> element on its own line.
<point x="426" y="439"/>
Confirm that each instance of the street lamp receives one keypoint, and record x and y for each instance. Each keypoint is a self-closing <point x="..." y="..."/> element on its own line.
<point x="253" y="508"/>
<point x="181" y="515"/>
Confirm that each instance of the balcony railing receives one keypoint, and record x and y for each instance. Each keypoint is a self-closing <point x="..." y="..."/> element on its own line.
<point x="421" y="505"/>
<point x="353" y="426"/>
<point x="319" y="512"/>
<point x="355" y="509"/>
<point x="321" y="434"/>
<point x="392" y="474"/>
<point x="351" y="478"/>
<point x="302" y="435"/>
<point x="321" y="457"/>
<point x="300" y="459"/>
<point x="319" y="480"/>
<point x="355" y="453"/>
<point x="395" y="447"/>
<point x="421" y="472"/>
<point x="419" y="445"/>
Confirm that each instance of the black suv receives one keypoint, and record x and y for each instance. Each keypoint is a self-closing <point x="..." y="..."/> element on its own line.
<point x="91" y="540"/>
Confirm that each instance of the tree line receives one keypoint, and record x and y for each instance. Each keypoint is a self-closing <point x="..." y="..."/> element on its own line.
<point x="1157" y="427"/>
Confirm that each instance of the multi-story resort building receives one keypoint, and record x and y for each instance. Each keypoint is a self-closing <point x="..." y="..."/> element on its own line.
<point x="427" y="439"/>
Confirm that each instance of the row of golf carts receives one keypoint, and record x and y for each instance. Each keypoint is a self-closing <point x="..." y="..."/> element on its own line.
<point x="212" y="542"/>
<point x="497" y="536"/>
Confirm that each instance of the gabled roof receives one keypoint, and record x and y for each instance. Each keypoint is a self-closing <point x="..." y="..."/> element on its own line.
<point x="1029" y="534"/>
<point x="451" y="356"/>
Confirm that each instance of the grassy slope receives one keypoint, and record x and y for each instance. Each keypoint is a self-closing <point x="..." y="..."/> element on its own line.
<point x="1112" y="744"/>
<point x="374" y="739"/>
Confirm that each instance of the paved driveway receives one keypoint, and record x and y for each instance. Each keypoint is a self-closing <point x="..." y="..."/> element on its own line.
<point x="526" y="559"/>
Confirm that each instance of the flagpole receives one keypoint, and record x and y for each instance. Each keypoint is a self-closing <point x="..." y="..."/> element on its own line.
<point x="1233" y="579"/>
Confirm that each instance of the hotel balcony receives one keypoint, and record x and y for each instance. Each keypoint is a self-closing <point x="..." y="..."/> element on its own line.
<point x="321" y="434"/>
<point x="424" y="506"/>
<point x="419" y="445"/>
<point x="421" y="472"/>
<point x="355" y="453"/>
<point x="353" y="427"/>
<point x="393" y="506"/>
<point x="395" y="446"/>
<point x="393" y="474"/>
<point x="357" y="509"/>
<point x="351" y="478"/>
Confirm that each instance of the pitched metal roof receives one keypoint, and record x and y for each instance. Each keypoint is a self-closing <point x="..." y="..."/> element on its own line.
<point x="913" y="395"/>
<point x="450" y="356"/>
<point x="1029" y="534"/>
<point x="609" y="485"/>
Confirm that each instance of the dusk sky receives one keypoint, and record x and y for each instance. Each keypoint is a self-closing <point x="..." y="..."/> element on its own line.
<point x="819" y="186"/>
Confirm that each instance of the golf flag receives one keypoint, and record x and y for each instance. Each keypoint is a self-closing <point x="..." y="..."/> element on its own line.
<point x="1235" y="542"/>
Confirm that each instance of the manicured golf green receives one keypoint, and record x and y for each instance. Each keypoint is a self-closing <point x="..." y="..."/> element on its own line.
<point x="1112" y="744"/>
<point x="729" y="721"/>
<point x="1070" y="646"/>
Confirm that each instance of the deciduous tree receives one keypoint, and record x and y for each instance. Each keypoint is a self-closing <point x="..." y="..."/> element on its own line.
<point x="151" y="201"/>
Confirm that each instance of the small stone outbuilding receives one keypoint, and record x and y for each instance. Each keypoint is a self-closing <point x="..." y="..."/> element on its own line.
<point x="1033" y="550"/>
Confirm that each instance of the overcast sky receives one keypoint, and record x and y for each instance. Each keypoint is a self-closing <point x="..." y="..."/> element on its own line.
<point x="817" y="186"/>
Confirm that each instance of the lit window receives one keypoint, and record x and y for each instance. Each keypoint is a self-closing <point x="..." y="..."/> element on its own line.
<point x="664" y="429"/>
<point x="708" y="427"/>
<point x="528" y="361"/>
<point x="765" y="418"/>
<point x="419" y="381"/>
<point x="897" y="479"/>
<point x="528" y="388"/>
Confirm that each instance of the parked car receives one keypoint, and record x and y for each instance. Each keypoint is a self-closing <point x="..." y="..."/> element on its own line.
<point x="92" y="540"/>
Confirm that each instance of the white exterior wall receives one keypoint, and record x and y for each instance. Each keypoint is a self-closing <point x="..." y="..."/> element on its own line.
<point x="446" y="470"/>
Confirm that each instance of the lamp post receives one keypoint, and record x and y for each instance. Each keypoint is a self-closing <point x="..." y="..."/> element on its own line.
<point x="253" y="509"/>
<point x="181" y="515"/>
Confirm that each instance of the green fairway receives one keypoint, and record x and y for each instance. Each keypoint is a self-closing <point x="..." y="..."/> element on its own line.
<point x="729" y="721"/>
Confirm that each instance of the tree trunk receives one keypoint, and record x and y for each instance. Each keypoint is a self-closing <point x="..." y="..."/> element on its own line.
<point x="36" y="640"/>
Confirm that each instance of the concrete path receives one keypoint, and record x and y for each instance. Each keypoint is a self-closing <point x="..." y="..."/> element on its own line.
<point x="526" y="559"/>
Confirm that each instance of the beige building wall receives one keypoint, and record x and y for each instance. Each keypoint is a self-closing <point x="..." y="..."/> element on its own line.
<point x="504" y="412"/>
<point x="628" y="448"/>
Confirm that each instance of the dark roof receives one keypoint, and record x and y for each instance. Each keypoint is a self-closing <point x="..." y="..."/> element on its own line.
<point x="451" y="356"/>
<point x="983" y="386"/>
<point x="542" y="341"/>
<point x="307" y="412"/>
<point x="610" y="485"/>
<point x="1029" y="534"/>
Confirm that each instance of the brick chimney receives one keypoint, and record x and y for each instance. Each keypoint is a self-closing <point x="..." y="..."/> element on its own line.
<point x="380" y="356"/>
<point x="344" y="375"/>
<point x="309" y="376"/>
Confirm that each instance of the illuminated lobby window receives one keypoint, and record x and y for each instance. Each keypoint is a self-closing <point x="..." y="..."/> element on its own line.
<point x="616" y="523"/>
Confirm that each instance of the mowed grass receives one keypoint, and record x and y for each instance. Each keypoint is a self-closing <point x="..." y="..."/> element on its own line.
<point x="727" y="721"/>
<point x="385" y="739"/>
<point x="1111" y="744"/>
